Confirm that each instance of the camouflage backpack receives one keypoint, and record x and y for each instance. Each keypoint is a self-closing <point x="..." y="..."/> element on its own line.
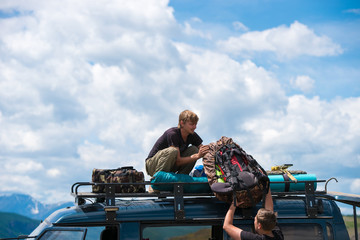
<point x="121" y="175"/>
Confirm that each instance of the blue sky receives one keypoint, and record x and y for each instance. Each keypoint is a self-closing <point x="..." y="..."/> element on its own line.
<point x="86" y="84"/>
<point x="335" y="19"/>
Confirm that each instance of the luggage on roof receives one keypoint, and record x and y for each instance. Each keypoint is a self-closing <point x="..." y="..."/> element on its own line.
<point x="120" y="175"/>
<point x="234" y="175"/>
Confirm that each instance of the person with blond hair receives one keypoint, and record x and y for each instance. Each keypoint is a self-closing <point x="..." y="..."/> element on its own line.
<point x="178" y="148"/>
<point x="265" y="224"/>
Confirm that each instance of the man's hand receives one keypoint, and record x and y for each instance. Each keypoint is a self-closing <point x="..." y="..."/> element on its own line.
<point x="204" y="149"/>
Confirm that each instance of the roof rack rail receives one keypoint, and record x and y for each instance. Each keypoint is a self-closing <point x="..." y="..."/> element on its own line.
<point x="313" y="206"/>
<point x="109" y="196"/>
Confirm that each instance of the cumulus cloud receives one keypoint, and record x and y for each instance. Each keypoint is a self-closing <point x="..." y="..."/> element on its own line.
<point x="221" y="83"/>
<point x="18" y="183"/>
<point x="20" y="137"/>
<point x="189" y="30"/>
<point x="22" y="166"/>
<point x="93" y="154"/>
<point x="310" y="132"/>
<point x="355" y="186"/>
<point x="240" y="26"/>
<point x="98" y="87"/>
<point x="303" y="83"/>
<point x="285" y="42"/>
<point x="53" y="172"/>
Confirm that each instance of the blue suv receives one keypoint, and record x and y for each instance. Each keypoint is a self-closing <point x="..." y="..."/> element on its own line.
<point x="176" y="215"/>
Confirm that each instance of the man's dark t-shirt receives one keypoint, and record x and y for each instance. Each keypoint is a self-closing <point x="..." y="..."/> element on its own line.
<point x="172" y="137"/>
<point x="253" y="236"/>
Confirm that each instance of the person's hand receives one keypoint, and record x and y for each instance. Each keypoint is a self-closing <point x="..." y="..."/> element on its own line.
<point x="204" y="149"/>
<point x="232" y="206"/>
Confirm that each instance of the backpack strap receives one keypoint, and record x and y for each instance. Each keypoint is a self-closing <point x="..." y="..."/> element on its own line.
<point x="223" y="158"/>
<point x="234" y="174"/>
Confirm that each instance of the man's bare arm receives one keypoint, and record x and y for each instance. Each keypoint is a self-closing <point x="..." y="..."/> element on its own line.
<point x="203" y="149"/>
<point x="232" y="231"/>
<point x="269" y="204"/>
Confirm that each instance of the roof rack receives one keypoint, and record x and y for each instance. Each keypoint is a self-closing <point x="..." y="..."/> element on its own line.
<point x="313" y="205"/>
<point x="109" y="196"/>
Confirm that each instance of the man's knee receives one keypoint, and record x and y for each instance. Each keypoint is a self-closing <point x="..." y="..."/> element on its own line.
<point x="168" y="158"/>
<point x="164" y="160"/>
<point x="172" y="152"/>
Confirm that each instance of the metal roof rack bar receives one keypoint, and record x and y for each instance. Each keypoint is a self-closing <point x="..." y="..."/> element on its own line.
<point x="312" y="204"/>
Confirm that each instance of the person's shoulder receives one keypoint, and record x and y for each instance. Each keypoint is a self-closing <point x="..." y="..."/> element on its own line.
<point x="277" y="229"/>
<point x="245" y="235"/>
<point x="172" y="130"/>
<point x="278" y="233"/>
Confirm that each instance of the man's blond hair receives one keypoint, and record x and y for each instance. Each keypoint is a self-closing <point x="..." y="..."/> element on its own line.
<point x="188" y="115"/>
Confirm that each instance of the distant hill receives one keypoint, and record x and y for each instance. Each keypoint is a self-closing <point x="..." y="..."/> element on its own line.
<point x="13" y="225"/>
<point x="27" y="206"/>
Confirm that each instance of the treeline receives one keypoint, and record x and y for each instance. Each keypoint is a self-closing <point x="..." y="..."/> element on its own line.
<point x="13" y="225"/>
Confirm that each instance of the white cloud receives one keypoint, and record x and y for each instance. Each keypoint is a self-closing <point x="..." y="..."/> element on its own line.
<point x="96" y="155"/>
<point x="55" y="196"/>
<point x="303" y="83"/>
<point x="189" y="30"/>
<point x="217" y="74"/>
<point x="20" y="138"/>
<point x="53" y="172"/>
<point x="19" y="183"/>
<point x="285" y="42"/>
<point x="355" y="186"/>
<point x="240" y="26"/>
<point x="312" y="132"/>
<point x="22" y="166"/>
<point x="95" y="89"/>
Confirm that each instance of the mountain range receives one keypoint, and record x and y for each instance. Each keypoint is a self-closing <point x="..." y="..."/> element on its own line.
<point x="26" y="205"/>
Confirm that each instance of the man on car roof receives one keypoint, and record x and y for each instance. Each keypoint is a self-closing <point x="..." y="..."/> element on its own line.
<point x="178" y="149"/>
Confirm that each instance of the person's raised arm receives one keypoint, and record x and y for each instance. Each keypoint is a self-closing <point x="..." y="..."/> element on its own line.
<point x="232" y="231"/>
<point x="269" y="204"/>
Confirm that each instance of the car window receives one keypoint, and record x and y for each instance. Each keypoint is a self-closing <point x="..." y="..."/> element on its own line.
<point x="92" y="233"/>
<point x="329" y="231"/>
<point x="63" y="234"/>
<point x="302" y="231"/>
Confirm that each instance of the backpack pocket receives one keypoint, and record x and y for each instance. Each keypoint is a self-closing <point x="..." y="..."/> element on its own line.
<point x="246" y="180"/>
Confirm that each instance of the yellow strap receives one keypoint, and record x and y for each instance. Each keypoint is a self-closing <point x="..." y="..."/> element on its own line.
<point x="289" y="175"/>
<point x="283" y="168"/>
